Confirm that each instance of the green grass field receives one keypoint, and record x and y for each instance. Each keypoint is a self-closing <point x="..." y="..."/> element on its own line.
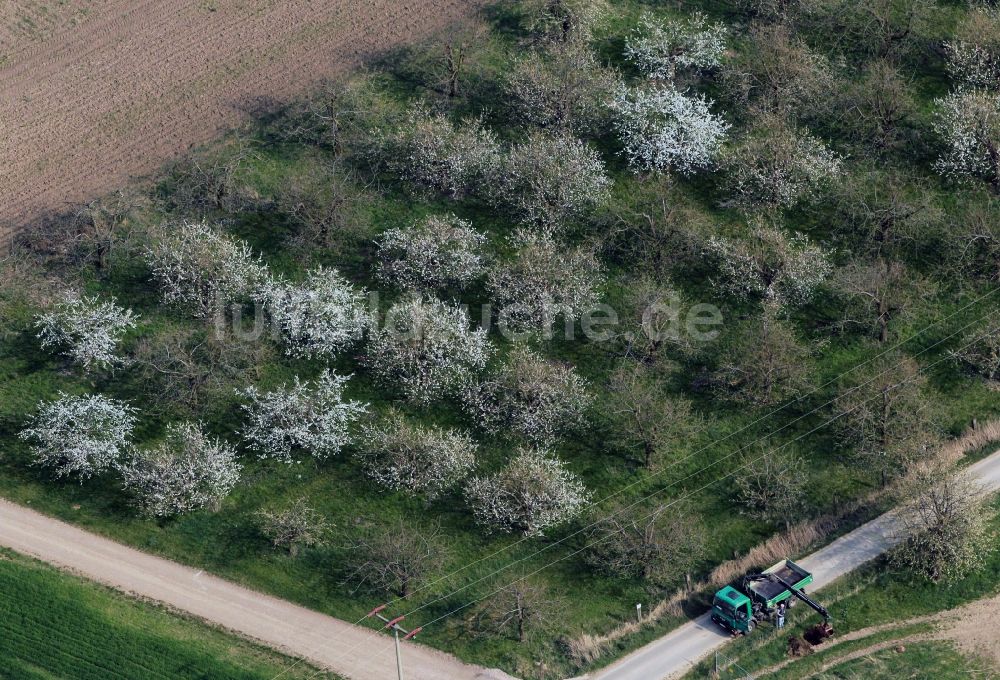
<point x="53" y="625"/>
<point x="229" y="543"/>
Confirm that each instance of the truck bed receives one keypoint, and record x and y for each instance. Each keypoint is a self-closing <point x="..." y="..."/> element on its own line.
<point x="786" y="570"/>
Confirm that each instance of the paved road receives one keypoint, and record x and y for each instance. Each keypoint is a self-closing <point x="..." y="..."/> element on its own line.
<point x="349" y="650"/>
<point x="676" y="652"/>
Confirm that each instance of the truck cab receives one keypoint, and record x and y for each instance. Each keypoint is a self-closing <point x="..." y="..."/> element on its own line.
<point x="733" y="610"/>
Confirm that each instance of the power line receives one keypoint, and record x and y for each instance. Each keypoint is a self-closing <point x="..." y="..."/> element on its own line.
<point x="465" y="587"/>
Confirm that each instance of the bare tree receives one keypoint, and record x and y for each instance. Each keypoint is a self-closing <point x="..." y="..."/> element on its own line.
<point x="980" y="350"/>
<point x="564" y="20"/>
<point x="771" y="486"/>
<point x="945" y="525"/>
<point x="200" y="185"/>
<point x="395" y="558"/>
<point x="518" y="609"/>
<point x="654" y="326"/>
<point x="192" y="367"/>
<point x="659" y="546"/>
<point x="649" y="419"/>
<point x="103" y="223"/>
<point x="295" y="527"/>
<point x="764" y="363"/>
<point x="883" y="416"/>
<point x="877" y="293"/>
<point x="885" y="213"/>
<point x="777" y="71"/>
<point x="878" y="107"/>
<point x="325" y="202"/>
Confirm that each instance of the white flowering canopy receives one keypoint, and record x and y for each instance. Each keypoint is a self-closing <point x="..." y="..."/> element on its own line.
<point x="436" y="156"/>
<point x="777" y="166"/>
<point x="320" y="317"/>
<point x="533" y="493"/>
<point x="543" y="281"/>
<point x="426" y="348"/>
<point x="198" y="267"/>
<point x="312" y="416"/>
<point x="974" y="56"/>
<point x="80" y="436"/>
<point x="769" y="265"/>
<point x="661" y="128"/>
<point x="659" y="48"/>
<point x="438" y="252"/>
<point x="530" y="397"/>
<point x="417" y="460"/>
<point x="188" y="470"/>
<point x="968" y="122"/>
<point x="87" y="329"/>
<point x="549" y="178"/>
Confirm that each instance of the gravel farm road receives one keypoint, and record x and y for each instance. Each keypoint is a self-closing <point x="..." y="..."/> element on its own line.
<point x="362" y="653"/>
<point x="677" y="651"/>
<point x="352" y="651"/>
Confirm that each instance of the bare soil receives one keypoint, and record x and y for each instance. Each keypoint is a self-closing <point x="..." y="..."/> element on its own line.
<point x="94" y="93"/>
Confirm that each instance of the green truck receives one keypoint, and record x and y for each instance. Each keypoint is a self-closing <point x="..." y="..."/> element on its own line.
<point x="740" y="610"/>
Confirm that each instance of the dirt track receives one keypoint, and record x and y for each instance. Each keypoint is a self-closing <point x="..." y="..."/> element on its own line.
<point x="95" y="92"/>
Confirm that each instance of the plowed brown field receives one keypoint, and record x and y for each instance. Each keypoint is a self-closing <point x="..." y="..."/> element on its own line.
<point x="95" y="92"/>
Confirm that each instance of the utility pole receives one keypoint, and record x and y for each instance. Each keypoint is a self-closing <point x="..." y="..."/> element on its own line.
<point x="393" y="624"/>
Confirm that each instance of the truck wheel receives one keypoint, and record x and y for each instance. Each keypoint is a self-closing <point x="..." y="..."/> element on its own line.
<point x="750" y="626"/>
<point x="792" y="601"/>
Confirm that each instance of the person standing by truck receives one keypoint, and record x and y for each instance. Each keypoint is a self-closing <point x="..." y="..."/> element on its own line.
<point x="781" y="615"/>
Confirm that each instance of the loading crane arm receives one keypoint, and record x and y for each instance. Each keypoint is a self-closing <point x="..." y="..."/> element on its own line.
<point x="820" y="609"/>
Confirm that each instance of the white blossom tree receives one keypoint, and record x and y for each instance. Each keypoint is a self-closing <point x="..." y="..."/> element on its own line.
<point x="777" y="166"/>
<point x="439" y="252"/>
<point x="550" y="178"/>
<point x="563" y="86"/>
<point x="968" y="122"/>
<point x="945" y="529"/>
<point x="320" y="317"/>
<point x="422" y="461"/>
<point x="426" y="348"/>
<point x="528" y="396"/>
<point x="80" y="436"/>
<point x="659" y="48"/>
<point x="974" y="53"/>
<point x="198" y="267"/>
<point x="661" y="128"/>
<point x="435" y="156"/>
<point x="312" y="416"/>
<point x="186" y="471"/>
<point x="532" y="493"/>
<point x="543" y="281"/>
<point x="769" y="265"/>
<point x="87" y="329"/>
